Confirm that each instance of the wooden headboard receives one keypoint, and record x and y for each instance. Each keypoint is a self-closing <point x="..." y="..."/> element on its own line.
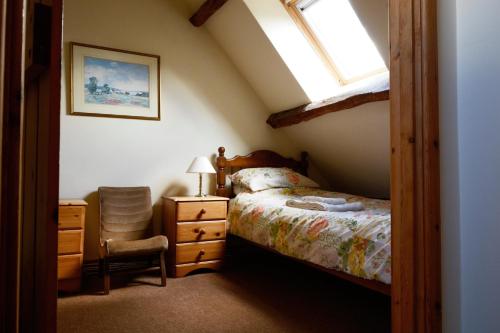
<point x="256" y="159"/>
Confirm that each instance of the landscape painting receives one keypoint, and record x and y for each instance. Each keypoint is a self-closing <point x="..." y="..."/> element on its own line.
<point x="116" y="83"/>
<point x="108" y="82"/>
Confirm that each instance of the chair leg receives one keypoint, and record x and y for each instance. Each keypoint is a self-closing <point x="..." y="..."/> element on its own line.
<point x="106" y="276"/>
<point x="101" y="267"/>
<point x="163" y="269"/>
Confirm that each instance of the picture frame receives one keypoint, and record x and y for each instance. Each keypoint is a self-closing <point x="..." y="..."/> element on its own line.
<point x="109" y="82"/>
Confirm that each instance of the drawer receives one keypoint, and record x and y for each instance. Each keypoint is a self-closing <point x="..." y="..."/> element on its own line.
<point x="184" y="269"/>
<point x="201" y="210"/>
<point x="69" y="266"/>
<point x="70" y="242"/>
<point x="195" y="252"/>
<point x="69" y="285"/>
<point x="200" y="231"/>
<point x="71" y="217"/>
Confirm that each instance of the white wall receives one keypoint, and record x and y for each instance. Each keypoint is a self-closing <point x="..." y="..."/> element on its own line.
<point x="478" y="62"/>
<point x="470" y="164"/>
<point x="351" y="148"/>
<point x="450" y="189"/>
<point x="205" y="103"/>
<point x="238" y="33"/>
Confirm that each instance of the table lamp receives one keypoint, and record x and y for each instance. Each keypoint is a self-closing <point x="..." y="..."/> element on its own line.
<point x="201" y="165"/>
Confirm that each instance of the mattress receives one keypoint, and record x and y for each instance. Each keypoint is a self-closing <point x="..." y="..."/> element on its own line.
<point x="357" y="243"/>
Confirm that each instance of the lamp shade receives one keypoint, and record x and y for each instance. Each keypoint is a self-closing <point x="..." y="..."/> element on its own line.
<point x="201" y="164"/>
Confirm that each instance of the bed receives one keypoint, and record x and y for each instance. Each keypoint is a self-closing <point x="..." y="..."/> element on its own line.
<point x="354" y="246"/>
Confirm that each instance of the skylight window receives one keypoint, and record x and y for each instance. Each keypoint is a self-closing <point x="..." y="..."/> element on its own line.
<point x="337" y="34"/>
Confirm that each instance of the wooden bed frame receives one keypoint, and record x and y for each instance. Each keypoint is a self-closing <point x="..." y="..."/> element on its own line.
<point x="267" y="158"/>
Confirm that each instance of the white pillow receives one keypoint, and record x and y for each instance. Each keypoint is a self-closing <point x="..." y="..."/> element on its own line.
<point x="258" y="179"/>
<point x="237" y="189"/>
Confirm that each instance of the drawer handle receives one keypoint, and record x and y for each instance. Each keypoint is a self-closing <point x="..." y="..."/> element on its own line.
<point x="200" y="254"/>
<point x="202" y="211"/>
<point x="200" y="231"/>
<point x="217" y="234"/>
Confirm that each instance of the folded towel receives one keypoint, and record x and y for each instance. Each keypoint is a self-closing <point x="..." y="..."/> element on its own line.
<point x="330" y="201"/>
<point x="351" y="206"/>
<point x="347" y="207"/>
<point x="306" y="205"/>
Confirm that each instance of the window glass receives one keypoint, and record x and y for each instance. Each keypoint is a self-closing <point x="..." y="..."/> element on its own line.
<point x="343" y="37"/>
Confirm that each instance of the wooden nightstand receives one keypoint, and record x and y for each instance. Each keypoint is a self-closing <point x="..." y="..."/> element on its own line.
<point x="70" y="244"/>
<point x="196" y="232"/>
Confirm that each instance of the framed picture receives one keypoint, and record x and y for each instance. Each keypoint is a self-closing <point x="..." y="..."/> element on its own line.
<point x="109" y="82"/>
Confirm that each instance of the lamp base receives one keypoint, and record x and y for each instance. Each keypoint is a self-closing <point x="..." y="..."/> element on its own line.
<point x="200" y="194"/>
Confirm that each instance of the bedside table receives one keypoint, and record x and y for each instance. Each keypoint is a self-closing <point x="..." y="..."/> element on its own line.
<point x="196" y="232"/>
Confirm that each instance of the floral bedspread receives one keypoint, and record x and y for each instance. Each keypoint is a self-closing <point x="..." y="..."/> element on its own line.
<point x="358" y="243"/>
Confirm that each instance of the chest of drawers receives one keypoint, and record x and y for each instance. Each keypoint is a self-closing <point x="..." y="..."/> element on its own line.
<point x="70" y="244"/>
<point x="196" y="231"/>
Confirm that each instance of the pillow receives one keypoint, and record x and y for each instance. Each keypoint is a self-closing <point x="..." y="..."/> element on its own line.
<point x="258" y="179"/>
<point x="237" y="189"/>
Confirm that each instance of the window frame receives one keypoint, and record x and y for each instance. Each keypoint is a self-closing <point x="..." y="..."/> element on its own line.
<point x="312" y="38"/>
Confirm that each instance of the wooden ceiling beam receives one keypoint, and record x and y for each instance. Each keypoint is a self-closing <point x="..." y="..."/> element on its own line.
<point x="313" y="110"/>
<point x="207" y="9"/>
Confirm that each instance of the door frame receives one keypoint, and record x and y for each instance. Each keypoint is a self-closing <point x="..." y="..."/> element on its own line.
<point x="30" y="165"/>
<point x="415" y="233"/>
<point x="416" y="267"/>
<point x="11" y="35"/>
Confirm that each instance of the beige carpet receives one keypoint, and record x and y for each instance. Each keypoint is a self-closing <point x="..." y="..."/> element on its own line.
<point x="275" y="295"/>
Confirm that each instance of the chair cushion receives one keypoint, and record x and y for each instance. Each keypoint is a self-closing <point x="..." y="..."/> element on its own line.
<point x="136" y="247"/>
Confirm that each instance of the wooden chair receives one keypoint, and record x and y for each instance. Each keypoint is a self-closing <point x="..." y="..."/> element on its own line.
<point x="126" y="229"/>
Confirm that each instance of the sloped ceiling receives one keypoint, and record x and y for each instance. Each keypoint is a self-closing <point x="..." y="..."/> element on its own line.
<point x="352" y="147"/>
<point x="236" y="30"/>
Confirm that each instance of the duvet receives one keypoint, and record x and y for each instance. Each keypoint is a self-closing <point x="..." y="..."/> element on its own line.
<point x="357" y="243"/>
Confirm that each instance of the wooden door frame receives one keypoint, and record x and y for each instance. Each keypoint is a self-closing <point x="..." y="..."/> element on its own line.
<point x="416" y="282"/>
<point x="30" y="166"/>
<point x="11" y="157"/>
<point x="415" y="234"/>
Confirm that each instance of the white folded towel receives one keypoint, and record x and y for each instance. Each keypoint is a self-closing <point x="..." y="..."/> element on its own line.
<point x="330" y="201"/>
<point x="351" y="206"/>
<point x="306" y="205"/>
<point x="347" y="207"/>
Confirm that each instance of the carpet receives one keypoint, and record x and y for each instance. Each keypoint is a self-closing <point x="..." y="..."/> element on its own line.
<point x="271" y="294"/>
